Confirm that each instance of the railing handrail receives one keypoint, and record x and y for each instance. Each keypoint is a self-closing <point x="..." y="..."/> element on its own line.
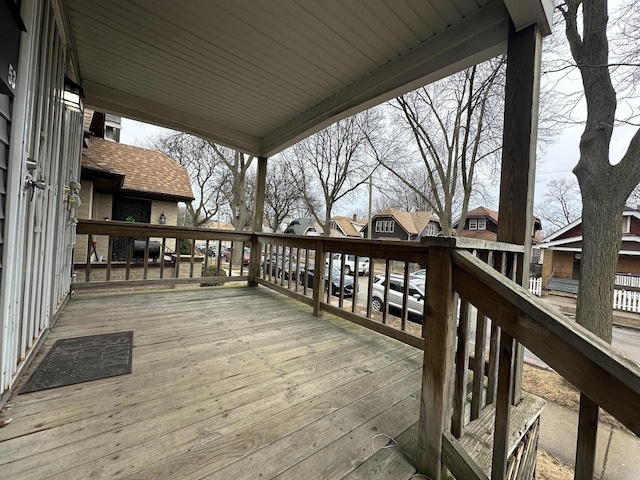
<point x="128" y="229"/>
<point x="582" y="358"/>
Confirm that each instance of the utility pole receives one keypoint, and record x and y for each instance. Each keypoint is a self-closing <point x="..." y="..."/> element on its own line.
<point x="370" y="202"/>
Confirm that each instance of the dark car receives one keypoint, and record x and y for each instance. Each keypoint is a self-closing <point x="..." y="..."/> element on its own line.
<point x="335" y="281"/>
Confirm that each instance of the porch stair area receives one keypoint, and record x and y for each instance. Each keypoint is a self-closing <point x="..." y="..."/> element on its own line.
<point x="563" y="286"/>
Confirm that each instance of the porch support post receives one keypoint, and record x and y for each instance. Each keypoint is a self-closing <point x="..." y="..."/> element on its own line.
<point x="438" y="365"/>
<point x="516" y="207"/>
<point x="318" y="277"/>
<point x="519" y="154"/>
<point x="258" y="216"/>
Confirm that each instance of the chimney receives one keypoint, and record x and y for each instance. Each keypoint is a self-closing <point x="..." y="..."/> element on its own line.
<point x="638" y="207"/>
<point x="355" y="218"/>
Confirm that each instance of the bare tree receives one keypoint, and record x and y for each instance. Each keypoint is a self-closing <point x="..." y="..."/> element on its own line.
<point x="282" y="197"/>
<point x="561" y="204"/>
<point x="331" y="164"/>
<point x="206" y="172"/>
<point x="453" y="126"/>
<point x="604" y="187"/>
<point x="238" y="195"/>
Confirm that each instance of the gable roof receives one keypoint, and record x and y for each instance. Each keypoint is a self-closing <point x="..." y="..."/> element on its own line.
<point x="346" y="226"/>
<point x="144" y="171"/>
<point x="626" y="212"/>
<point x="412" y="222"/>
<point x="300" y="226"/>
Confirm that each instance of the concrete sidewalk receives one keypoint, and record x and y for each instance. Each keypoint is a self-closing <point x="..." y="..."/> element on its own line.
<point x="617" y="454"/>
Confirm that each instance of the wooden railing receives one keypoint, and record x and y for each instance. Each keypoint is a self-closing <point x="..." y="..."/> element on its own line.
<point x="123" y="254"/>
<point x="474" y="318"/>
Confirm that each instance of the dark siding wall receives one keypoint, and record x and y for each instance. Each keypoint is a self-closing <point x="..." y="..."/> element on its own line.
<point x="635" y="226"/>
<point x="398" y="233"/>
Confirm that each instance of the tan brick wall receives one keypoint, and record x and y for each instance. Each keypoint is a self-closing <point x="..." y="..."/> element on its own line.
<point x="170" y="210"/>
<point x="628" y="264"/>
<point x="563" y="264"/>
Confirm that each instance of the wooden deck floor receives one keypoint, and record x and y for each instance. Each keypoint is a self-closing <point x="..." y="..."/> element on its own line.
<point x="229" y="383"/>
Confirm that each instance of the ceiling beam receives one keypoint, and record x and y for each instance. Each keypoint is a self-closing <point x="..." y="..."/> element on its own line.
<point x="478" y="37"/>
<point x="109" y="100"/>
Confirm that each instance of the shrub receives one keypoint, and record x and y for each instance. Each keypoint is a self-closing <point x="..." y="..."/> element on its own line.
<point x="213" y="271"/>
<point x="185" y="247"/>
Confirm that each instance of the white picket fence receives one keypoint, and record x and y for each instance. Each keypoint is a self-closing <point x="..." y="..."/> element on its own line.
<point x="627" y="280"/>
<point x="626" y="300"/>
<point x="535" y="285"/>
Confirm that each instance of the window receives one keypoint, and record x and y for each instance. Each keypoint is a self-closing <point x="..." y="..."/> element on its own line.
<point x="473" y="224"/>
<point x="385" y="226"/>
<point x="395" y="286"/>
<point x="334" y="225"/>
<point x="482" y="224"/>
<point x="431" y="230"/>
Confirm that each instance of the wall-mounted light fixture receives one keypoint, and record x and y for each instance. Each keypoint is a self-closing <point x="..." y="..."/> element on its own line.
<point x="72" y="95"/>
<point x="163" y="219"/>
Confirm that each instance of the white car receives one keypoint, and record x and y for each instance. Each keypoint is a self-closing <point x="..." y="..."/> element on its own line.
<point x="415" y="299"/>
<point x="350" y="264"/>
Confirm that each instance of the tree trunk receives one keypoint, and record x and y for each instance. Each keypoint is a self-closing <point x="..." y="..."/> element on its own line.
<point x="601" y="238"/>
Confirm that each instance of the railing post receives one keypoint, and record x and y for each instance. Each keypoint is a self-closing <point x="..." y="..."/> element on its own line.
<point x="258" y="212"/>
<point x="318" y="278"/>
<point x="437" y="370"/>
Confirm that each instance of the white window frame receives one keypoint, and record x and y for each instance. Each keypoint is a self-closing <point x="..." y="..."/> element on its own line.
<point x="482" y="224"/>
<point x="473" y="224"/>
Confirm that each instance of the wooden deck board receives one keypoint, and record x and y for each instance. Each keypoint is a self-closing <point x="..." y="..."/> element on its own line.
<point x="226" y="383"/>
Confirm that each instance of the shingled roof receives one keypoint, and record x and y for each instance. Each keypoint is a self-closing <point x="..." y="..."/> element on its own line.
<point x="145" y="171"/>
<point x="411" y="222"/>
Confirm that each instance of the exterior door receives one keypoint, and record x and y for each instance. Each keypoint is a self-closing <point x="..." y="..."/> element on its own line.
<point x="128" y="209"/>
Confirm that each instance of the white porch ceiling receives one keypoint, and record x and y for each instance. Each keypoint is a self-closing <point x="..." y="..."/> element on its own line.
<point x="260" y="75"/>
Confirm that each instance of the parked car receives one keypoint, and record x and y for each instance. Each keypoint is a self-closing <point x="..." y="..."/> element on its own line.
<point x="350" y="263"/>
<point x="278" y="269"/>
<point x="226" y="254"/>
<point x="415" y="300"/>
<point x="421" y="274"/>
<point x="335" y="281"/>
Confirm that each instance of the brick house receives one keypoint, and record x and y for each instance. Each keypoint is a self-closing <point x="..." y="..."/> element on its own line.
<point x="395" y="224"/>
<point x="121" y="182"/>
<point x="563" y="249"/>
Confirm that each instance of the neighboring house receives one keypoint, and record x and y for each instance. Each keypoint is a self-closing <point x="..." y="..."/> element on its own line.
<point x="303" y="226"/>
<point x="121" y="182"/>
<point x="482" y="223"/>
<point x="395" y="224"/>
<point x="563" y="250"/>
<point x="346" y="227"/>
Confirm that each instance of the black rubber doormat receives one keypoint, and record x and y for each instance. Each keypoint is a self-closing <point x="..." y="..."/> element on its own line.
<point x="83" y="359"/>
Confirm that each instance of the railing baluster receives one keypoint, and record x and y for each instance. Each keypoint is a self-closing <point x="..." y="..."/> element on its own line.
<point x="306" y="272"/>
<point x="219" y="262"/>
<point x="328" y="281"/>
<point x="265" y="249"/>
<point x="385" y="311"/>
<point x="492" y="374"/>
<point x="271" y="261"/>
<point x="192" y="257"/>
<point x="146" y="259"/>
<point x="290" y="270"/>
<point x="162" y="253"/>
<point x="297" y="272"/>
<point x="318" y="279"/>
<point x="462" y="362"/>
<point x="231" y="259"/>
<point x="405" y="298"/>
<point x="281" y="270"/>
<point x="477" y="396"/>
<point x="87" y="272"/>
<point x="372" y="262"/>
<point x="503" y="407"/>
<point x="129" y="255"/>
<point x="205" y="269"/>
<point x="177" y="253"/>
<point x="587" y="439"/>
<point x="109" y="257"/>
<point x="356" y="278"/>
<point x="341" y="293"/>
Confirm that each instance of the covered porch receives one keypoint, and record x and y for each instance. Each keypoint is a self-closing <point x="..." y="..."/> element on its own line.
<point x="244" y="381"/>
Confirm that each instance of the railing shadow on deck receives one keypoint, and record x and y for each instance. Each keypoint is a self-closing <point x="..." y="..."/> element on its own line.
<point x="468" y="295"/>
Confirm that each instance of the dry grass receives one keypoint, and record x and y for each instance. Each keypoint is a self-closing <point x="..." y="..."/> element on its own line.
<point x="550" y="468"/>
